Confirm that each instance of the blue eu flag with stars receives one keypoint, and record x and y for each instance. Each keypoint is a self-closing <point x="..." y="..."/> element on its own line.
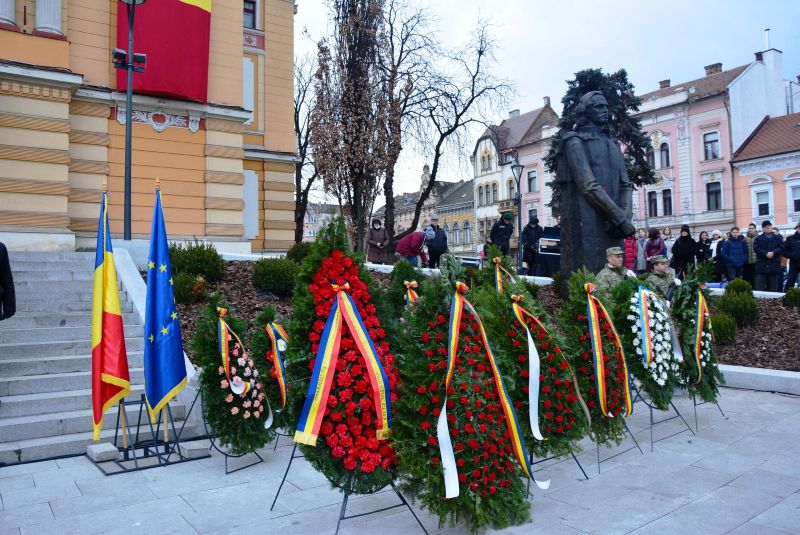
<point x="164" y="368"/>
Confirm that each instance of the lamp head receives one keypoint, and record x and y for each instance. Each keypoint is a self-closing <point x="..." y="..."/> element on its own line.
<point x="133" y="2"/>
<point x="517" y="170"/>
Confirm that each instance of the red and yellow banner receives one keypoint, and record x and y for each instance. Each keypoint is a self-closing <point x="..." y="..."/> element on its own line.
<point x="344" y="308"/>
<point x="110" y="376"/>
<point x="279" y="340"/>
<point x="411" y="295"/>
<point x="499" y="271"/>
<point x="175" y="35"/>
<point x="597" y="312"/>
<point x="701" y="316"/>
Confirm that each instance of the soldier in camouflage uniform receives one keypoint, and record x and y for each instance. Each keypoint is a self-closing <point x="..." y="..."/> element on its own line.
<point x="662" y="279"/>
<point x="615" y="270"/>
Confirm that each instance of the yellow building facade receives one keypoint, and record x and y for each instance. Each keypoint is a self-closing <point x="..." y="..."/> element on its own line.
<point x="226" y="167"/>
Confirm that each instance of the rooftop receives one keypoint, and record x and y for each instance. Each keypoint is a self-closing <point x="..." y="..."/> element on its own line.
<point x="773" y="136"/>
<point x="707" y="86"/>
<point x="463" y="191"/>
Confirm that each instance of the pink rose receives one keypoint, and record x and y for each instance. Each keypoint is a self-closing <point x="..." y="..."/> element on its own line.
<point x="241" y="361"/>
<point x="221" y="370"/>
<point x="255" y="373"/>
<point x="247" y="372"/>
<point x="256" y="404"/>
<point x="261" y="396"/>
<point x="229" y="399"/>
<point x="250" y="363"/>
<point x="247" y="404"/>
<point x="235" y="411"/>
<point x="259" y="386"/>
<point x="246" y="415"/>
<point x="235" y="350"/>
<point x="233" y="370"/>
<point x="257" y="414"/>
<point x="224" y="383"/>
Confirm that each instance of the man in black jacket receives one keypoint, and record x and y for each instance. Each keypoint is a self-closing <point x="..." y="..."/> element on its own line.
<point x="8" y="302"/>
<point x="530" y="244"/>
<point x="768" y="247"/>
<point x="501" y="233"/>
<point x="791" y="250"/>
<point x="438" y="245"/>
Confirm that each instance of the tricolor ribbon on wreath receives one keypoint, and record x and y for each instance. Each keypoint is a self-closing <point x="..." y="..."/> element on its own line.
<point x="279" y="342"/>
<point x="701" y="315"/>
<point x="499" y="270"/>
<point x="643" y="296"/>
<point x="596" y="312"/>
<point x="534" y="367"/>
<point x="344" y="308"/>
<point x="411" y="295"/>
<point x="457" y="305"/>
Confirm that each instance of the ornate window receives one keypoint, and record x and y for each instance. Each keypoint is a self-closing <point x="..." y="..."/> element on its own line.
<point x="666" y="201"/>
<point x="456" y="234"/>
<point x="793" y="193"/>
<point x="651" y="157"/>
<point x="250" y="14"/>
<point x="512" y="192"/>
<point x="665" y="155"/>
<point x="711" y="146"/>
<point x="494" y="193"/>
<point x="446" y="229"/>
<point x="533" y="182"/>
<point x="480" y="195"/>
<point x="467" y="232"/>
<point x="713" y="196"/>
<point x="652" y="204"/>
<point x="761" y="191"/>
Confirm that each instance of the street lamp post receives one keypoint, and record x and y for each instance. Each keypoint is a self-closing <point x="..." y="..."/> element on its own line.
<point x="128" y="60"/>
<point x="517" y="170"/>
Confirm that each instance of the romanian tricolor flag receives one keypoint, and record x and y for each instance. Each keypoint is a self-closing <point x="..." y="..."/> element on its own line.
<point x="175" y="35"/>
<point x="110" y="377"/>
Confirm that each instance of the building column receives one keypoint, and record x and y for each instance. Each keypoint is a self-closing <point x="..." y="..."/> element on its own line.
<point x="278" y="205"/>
<point x="48" y="16"/>
<point x="7" y="14"/>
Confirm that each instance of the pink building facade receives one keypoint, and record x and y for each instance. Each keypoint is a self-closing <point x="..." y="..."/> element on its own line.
<point x="695" y="127"/>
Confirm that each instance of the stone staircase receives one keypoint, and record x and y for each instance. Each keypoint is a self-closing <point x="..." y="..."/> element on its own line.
<point x="46" y="362"/>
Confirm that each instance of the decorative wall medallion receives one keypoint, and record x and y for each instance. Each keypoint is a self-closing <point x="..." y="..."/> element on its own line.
<point x="161" y="120"/>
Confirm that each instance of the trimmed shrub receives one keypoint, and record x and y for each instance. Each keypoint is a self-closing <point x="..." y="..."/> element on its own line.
<point x="792" y="297"/>
<point x="197" y="258"/>
<point x="738" y="286"/>
<point x="299" y="251"/>
<point x="724" y="328"/>
<point x="183" y="288"/>
<point x="741" y="307"/>
<point x="532" y="288"/>
<point x="275" y="275"/>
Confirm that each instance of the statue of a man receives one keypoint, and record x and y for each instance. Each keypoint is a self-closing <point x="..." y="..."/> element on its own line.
<point x="596" y="193"/>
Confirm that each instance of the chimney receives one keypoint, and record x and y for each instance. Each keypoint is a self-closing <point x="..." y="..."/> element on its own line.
<point x="663" y="84"/>
<point x="714" y="68"/>
<point x="546" y="101"/>
<point x="513" y="113"/>
<point x="759" y="56"/>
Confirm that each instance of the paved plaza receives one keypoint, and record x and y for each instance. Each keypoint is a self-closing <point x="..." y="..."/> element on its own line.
<point x="738" y="475"/>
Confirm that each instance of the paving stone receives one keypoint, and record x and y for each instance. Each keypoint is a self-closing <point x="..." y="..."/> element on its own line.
<point x="102" y="452"/>
<point x="22" y="481"/>
<point x="194" y="449"/>
<point x="774" y="484"/>
<point x="27" y="514"/>
<point x="754" y="528"/>
<point x="784" y="515"/>
<point x="624" y="512"/>
<point x="88" y="524"/>
<point x="22" y="497"/>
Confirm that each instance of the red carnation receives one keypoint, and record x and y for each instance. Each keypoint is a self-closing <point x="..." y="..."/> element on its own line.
<point x="337" y="452"/>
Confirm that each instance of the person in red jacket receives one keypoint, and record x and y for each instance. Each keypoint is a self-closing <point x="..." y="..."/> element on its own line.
<point x="655" y="246"/>
<point x="412" y="246"/>
<point x="630" y="251"/>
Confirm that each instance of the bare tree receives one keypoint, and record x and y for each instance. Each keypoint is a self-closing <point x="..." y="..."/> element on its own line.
<point x="461" y="93"/>
<point x="348" y="132"/>
<point x="305" y="171"/>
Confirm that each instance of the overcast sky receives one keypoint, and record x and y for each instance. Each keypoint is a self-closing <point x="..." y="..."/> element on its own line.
<point x="542" y="43"/>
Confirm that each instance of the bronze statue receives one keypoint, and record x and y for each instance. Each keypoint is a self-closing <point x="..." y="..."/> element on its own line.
<point x="596" y="193"/>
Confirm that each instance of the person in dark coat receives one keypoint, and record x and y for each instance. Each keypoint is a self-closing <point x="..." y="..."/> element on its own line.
<point x="734" y="253"/>
<point x="501" y="233"/>
<point x="768" y="247"/>
<point x="378" y="239"/>
<point x="412" y="246"/>
<point x="791" y="250"/>
<point x="8" y="300"/>
<point x="704" y="251"/>
<point x="749" y="270"/>
<point x="684" y="252"/>
<point x="530" y="244"/>
<point x="438" y="245"/>
<point x="655" y="246"/>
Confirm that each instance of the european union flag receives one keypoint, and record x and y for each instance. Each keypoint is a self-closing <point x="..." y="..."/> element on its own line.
<point x="164" y="369"/>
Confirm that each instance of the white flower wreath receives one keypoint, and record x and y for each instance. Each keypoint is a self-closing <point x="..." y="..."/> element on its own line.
<point x="664" y="360"/>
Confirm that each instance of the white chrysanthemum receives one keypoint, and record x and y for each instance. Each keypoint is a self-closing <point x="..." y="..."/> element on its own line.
<point x="631" y="317"/>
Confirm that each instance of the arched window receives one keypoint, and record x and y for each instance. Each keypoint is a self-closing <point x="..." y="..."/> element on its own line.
<point x="446" y="229"/>
<point x="494" y="193"/>
<point x="455" y="234"/>
<point x="664" y="155"/>
<point x="666" y="201"/>
<point x="480" y="195"/>
<point x="652" y="204"/>
<point x="467" y="232"/>
<point x="651" y="158"/>
<point x="533" y="182"/>
<point x="512" y="194"/>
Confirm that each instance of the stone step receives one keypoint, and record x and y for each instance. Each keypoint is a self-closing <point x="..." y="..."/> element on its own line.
<point x="61" y="348"/>
<point x="54" y="287"/>
<point x="57" y="334"/>
<point x="47" y="402"/>
<point x="51" y="265"/>
<point x="44" y="256"/>
<point x="50" y="307"/>
<point x="37" y="449"/>
<point x="68" y="422"/>
<point x="50" y="275"/>
<point x="19" y="367"/>
<point x="43" y="296"/>
<point x="56" y="382"/>
<point x="26" y="320"/>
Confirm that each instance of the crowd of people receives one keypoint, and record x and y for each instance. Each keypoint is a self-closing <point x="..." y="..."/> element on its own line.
<point x="765" y="259"/>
